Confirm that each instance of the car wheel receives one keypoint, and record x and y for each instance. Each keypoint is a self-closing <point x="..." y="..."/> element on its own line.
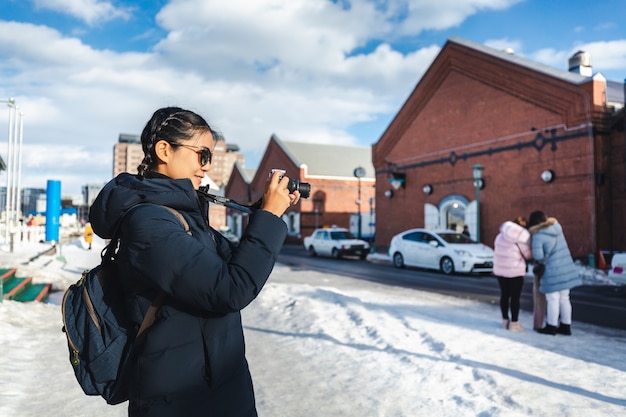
<point x="398" y="260"/>
<point x="446" y="265"/>
<point x="363" y="256"/>
<point x="336" y="254"/>
<point x="312" y="251"/>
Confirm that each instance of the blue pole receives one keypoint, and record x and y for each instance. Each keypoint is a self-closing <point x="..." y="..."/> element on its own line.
<point x="53" y="210"/>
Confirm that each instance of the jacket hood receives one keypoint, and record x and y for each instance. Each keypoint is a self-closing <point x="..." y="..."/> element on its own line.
<point x="550" y="227"/>
<point x="513" y="232"/>
<point x="126" y="191"/>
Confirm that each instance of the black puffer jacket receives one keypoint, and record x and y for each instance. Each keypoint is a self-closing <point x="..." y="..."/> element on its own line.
<point x="193" y="359"/>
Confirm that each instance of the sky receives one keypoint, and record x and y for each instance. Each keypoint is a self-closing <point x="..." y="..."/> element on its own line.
<point x="326" y="71"/>
<point x="327" y="345"/>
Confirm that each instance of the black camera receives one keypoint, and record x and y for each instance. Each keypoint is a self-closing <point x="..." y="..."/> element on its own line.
<point x="295" y="185"/>
<point x="303" y="187"/>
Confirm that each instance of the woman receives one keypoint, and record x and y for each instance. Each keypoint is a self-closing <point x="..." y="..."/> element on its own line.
<point x="549" y="247"/>
<point x="192" y="360"/>
<point x="511" y="249"/>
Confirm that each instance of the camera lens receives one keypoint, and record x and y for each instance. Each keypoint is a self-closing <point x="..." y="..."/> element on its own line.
<point x="303" y="187"/>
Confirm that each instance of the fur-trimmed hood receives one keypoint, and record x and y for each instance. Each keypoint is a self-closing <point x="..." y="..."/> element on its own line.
<point x="548" y="223"/>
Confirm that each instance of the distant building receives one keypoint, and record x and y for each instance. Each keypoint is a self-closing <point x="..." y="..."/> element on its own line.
<point x="90" y="192"/>
<point x="28" y="200"/>
<point x="224" y="158"/>
<point x="336" y="193"/>
<point x="127" y="154"/>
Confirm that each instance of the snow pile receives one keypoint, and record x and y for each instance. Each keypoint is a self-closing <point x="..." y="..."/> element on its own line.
<point x="327" y="345"/>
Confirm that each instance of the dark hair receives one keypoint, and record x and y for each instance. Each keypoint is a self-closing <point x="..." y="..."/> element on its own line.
<point x="521" y="221"/>
<point x="536" y="217"/>
<point x="171" y="124"/>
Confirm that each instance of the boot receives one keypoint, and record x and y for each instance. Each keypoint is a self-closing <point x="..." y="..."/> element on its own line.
<point x="516" y="327"/>
<point x="548" y="330"/>
<point x="505" y="323"/>
<point x="564" y="329"/>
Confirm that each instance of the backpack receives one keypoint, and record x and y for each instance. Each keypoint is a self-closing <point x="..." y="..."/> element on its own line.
<point x="99" y="335"/>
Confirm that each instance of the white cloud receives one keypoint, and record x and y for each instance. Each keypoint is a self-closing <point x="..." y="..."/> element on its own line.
<point x="424" y="15"/>
<point x="252" y="68"/>
<point x="608" y="55"/>
<point x="91" y="12"/>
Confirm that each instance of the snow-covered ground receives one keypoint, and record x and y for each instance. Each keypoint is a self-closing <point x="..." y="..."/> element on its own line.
<point x="327" y="345"/>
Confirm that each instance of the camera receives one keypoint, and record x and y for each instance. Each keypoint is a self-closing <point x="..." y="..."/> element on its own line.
<point x="295" y="185"/>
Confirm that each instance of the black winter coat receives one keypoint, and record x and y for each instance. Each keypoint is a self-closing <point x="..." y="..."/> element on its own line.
<point x="192" y="362"/>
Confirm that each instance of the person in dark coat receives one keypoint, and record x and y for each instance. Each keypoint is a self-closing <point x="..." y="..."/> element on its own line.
<point x="192" y="360"/>
<point x="550" y="247"/>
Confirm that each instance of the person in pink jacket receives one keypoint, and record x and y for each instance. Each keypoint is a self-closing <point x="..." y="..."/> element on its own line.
<point x="511" y="250"/>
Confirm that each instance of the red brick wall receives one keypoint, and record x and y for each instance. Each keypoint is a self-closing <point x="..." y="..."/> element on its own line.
<point x="480" y="104"/>
<point x="335" y="200"/>
<point x="617" y="184"/>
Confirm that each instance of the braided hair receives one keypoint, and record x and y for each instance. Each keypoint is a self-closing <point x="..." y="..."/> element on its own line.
<point x="173" y="125"/>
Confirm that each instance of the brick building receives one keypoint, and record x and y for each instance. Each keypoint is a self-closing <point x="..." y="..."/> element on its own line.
<point x="549" y="140"/>
<point x="330" y="171"/>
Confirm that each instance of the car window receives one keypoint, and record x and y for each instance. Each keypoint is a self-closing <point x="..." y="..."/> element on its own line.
<point x="413" y="236"/>
<point x="427" y="238"/>
<point x="455" y="238"/>
<point x="340" y="234"/>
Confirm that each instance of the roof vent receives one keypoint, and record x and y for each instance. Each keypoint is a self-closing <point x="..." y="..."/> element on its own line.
<point x="580" y="63"/>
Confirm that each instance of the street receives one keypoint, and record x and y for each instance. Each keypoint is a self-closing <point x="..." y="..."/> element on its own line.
<point x="600" y="305"/>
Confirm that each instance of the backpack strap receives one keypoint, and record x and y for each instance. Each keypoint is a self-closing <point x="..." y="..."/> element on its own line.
<point x="158" y="301"/>
<point x="148" y="319"/>
<point x="181" y="218"/>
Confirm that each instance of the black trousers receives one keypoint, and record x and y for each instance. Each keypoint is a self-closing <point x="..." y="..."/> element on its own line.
<point x="510" y="293"/>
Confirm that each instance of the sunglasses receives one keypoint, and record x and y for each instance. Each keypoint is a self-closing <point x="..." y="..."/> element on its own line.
<point x="205" y="153"/>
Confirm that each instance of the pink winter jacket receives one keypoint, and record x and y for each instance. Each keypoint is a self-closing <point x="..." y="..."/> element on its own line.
<point x="512" y="241"/>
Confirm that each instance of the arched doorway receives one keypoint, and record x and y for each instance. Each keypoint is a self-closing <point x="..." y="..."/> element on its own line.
<point x="453" y="212"/>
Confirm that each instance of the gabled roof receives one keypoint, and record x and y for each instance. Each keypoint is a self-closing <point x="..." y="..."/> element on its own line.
<point x="247" y="174"/>
<point x="571" y="77"/>
<point x="328" y="160"/>
<point x="502" y="70"/>
<point x="614" y="89"/>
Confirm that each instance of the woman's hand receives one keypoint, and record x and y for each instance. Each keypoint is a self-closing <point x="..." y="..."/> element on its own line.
<point x="276" y="197"/>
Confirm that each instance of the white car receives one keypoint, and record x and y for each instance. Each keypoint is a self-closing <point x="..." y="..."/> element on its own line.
<point x="335" y="242"/>
<point x="444" y="250"/>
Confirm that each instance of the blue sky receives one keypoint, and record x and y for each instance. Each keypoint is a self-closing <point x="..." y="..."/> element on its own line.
<point x="83" y="71"/>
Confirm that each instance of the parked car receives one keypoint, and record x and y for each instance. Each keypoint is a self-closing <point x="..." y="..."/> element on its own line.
<point x="444" y="250"/>
<point x="335" y="242"/>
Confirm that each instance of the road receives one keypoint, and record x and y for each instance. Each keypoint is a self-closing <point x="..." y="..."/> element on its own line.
<point x="600" y="305"/>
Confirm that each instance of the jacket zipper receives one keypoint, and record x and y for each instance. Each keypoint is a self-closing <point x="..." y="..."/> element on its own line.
<point x="75" y="359"/>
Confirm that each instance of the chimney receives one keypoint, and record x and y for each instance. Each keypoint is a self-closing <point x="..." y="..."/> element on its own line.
<point x="580" y="63"/>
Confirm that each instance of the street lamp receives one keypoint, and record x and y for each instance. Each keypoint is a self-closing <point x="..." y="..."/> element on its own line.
<point x="358" y="173"/>
<point x="9" y="165"/>
<point x="477" y="173"/>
